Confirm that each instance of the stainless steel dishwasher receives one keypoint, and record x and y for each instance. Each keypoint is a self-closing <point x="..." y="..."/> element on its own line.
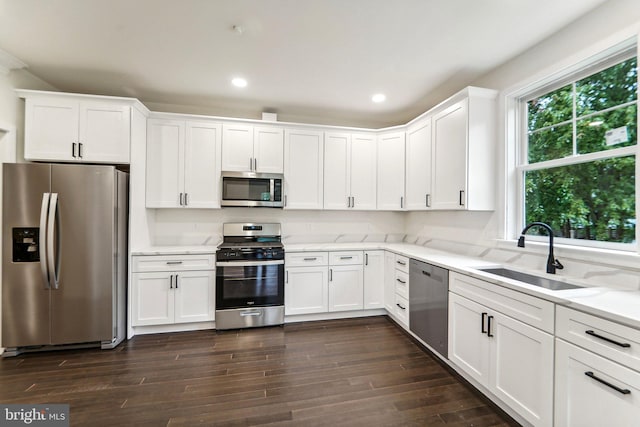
<point x="428" y="302"/>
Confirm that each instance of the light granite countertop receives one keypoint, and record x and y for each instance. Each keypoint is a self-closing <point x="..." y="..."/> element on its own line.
<point x="617" y="305"/>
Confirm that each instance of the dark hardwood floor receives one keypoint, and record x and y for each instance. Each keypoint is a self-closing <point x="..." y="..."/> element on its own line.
<point x="354" y="372"/>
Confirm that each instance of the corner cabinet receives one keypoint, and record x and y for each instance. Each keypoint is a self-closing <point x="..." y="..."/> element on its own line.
<point x="391" y="166"/>
<point x="418" y="166"/>
<point x="303" y="169"/>
<point x="463" y="151"/>
<point x="503" y="340"/>
<point x="63" y="127"/>
<point x="183" y="164"/>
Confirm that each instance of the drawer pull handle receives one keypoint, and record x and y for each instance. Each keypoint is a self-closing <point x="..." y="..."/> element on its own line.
<point x="621" y="344"/>
<point x="311" y="259"/>
<point x="174" y="262"/>
<point x="482" y="329"/>
<point x="401" y="307"/>
<point x="346" y="257"/>
<point x="402" y="281"/>
<point x="489" y="334"/>
<point x="401" y="262"/>
<point x="608" y="384"/>
<point x="426" y="273"/>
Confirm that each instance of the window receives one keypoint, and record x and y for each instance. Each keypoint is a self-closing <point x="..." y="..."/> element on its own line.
<point x="578" y="154"/>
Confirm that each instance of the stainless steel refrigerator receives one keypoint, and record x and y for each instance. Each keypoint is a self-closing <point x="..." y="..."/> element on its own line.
<point x="64" y="234"/>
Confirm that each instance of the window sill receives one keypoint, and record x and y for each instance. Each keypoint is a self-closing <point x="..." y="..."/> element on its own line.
<point x="596" y="256"/>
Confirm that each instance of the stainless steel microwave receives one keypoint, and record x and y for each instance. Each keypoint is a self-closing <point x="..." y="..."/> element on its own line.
<point x="251" y="189"/>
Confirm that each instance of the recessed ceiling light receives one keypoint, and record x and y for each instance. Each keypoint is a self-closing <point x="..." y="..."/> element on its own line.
<point x="239" y="82"/>
<point x="378" y="97"/>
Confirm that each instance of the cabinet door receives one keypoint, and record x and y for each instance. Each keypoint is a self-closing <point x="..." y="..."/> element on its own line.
<point x="105" y="132"/>
<point x="522" y="368"/>
<point x="468" y="345"/>
<point x="345" y="288"/>
<point x="582" y="401"/>
<point x="374" y="275"/>
<point x="389" y="281"/>
<point x="336" y="171"/>
<point x="418" y="166"/>
<point x="194" y="296"/>
<point x="449" y="179"/>
<point x="202" y="152"/>
<point x="51" y="127"/>
<point x="391" y="171"/>
<point x="306" y="290"/>
<point x="363" y="172"/>
<point x="237" y="147"/>
<point x="268" y="150"/>
<point x="303" y="169"/>
<point x="165" y="163"/>
<point x="153" y="298"/>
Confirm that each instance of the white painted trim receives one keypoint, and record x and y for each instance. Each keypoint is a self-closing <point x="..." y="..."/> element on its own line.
<point x="512" y="197"/>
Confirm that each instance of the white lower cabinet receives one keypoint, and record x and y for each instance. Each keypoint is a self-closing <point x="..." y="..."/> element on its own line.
<point x="346" y="281"/>
<point x="346" y="287"/>
<point x="592" y="391"/>
<point x="597" y="375"/>
<point x="374" y="290"/>
<point x="306" y="290"/>
<point x="171" y="294"/>
<point x="512" y="359"/>
<point x="306" y="284"/>
<point x="389" y="281"/>
<point x="322" y="282"/>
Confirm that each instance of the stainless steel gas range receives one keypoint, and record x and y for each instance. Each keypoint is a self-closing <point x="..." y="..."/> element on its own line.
<point x="250" y="276"/>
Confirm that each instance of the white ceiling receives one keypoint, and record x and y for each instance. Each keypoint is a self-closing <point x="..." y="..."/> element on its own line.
<point x="321" y="59"/>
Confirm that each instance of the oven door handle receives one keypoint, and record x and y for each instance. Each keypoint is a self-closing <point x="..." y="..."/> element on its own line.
<point x="248" y="263"/>
<point x="251" y="313"/>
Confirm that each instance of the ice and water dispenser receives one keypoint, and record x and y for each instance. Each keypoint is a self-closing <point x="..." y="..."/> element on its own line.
<point x="26" y="243"/>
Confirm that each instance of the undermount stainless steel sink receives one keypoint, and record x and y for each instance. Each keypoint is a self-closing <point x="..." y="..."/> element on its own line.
<point x="543" y="282"/>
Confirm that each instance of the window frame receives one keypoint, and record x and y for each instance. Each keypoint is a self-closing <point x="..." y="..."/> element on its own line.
<point x="516" y="138"/>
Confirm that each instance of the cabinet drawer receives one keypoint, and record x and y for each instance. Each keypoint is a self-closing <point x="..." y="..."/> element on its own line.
<point x="345" y="258"/>
<point x="402" y="263"/>
<point x="592" y="391"/>
<point x="402" y="283"/>
<point x="530" y="310"/>
<point x="144" y="263"/>
<point x="609" y="339"/>
<point x="301" y="259"/>
<point x="401" y="309"/>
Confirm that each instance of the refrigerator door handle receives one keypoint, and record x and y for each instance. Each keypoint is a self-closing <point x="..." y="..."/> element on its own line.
<point x="43" y="239"/>
<point x="51" y="241"/>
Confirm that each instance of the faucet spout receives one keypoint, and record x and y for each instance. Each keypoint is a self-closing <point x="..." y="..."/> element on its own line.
<point x="552" y="263"/>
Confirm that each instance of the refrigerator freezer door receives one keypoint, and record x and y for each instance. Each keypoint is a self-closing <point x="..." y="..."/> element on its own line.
<point x="25" y="294"/>
<point x="85" y="253"/>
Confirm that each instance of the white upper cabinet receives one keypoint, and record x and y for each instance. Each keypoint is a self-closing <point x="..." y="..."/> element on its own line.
<point x="350" y="171"/>
<point x="247" y="148"/>
<point x="69" y="129"/>
<point x="303" y="169"/>
<point x="418" y="166"/>
<point x="391" y="150"/>
<point x="463" y="152"/>
<point x="183" y="164"/>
